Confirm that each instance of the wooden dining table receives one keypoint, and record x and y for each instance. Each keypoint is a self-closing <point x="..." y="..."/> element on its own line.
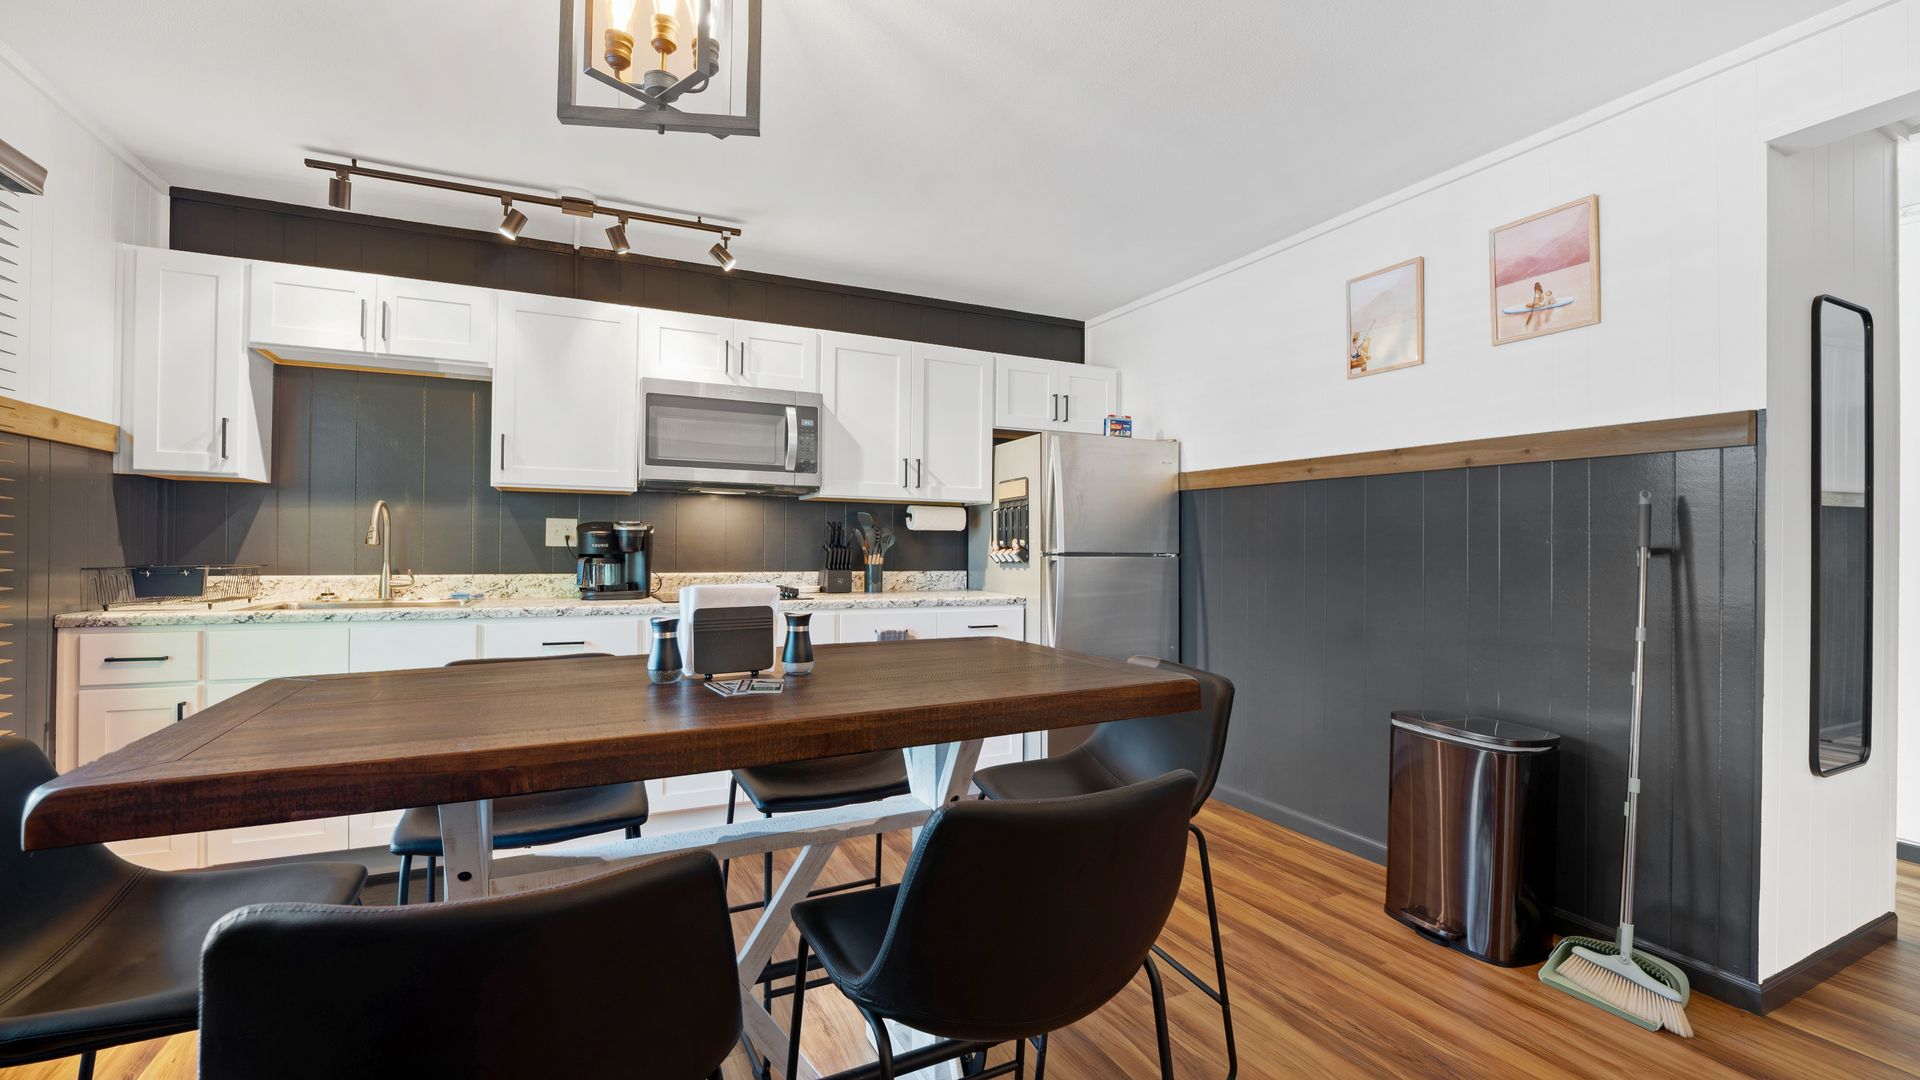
<point x="459" y="737"/>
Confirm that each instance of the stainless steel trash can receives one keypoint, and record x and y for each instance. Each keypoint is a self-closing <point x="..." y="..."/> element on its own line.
<point x="1470" y="824"/>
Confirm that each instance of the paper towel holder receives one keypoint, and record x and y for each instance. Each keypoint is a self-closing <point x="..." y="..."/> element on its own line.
<point x="936" y="518"/>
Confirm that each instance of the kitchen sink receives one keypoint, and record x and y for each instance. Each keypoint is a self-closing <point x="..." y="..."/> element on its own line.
<point x="350" y="605"/>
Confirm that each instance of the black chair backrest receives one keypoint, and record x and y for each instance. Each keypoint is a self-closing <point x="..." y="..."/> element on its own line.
<point x="1023" y="916"/>
<point x="632" y="967"/>
<point x="1134" y="750"/>
<point x="521" y="659"/>
<point x="41" y="889"/>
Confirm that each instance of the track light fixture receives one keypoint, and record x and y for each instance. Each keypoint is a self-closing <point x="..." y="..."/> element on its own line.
<point x="513" y="222"/>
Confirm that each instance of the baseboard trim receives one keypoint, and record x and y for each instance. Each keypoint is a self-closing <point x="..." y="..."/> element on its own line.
<point x="1906" y="852"/>
<point x="1809" y="971"/>
<point x="1715" y="982"/>
<point x="1324" y="831"/>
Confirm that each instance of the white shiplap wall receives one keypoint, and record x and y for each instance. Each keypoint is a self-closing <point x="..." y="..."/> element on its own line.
<point x="1243" y="364"/>
<point x="97" y="197"/>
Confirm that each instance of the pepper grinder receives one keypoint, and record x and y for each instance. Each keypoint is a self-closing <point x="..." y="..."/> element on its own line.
<point x="797" y="657"/>
<point x="663" y="662"/>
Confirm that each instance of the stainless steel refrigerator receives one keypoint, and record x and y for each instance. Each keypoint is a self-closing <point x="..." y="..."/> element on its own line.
<point x="1097" y="520"/>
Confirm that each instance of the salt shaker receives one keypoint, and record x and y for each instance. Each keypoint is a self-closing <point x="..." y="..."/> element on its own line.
<point x="797" y="657"/>
<point x="663" y="662"/>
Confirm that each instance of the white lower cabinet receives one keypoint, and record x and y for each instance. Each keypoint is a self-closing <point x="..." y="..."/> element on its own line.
<point x="619" y="635"/>
<point x="281" y="838"/>
<point x="109" y="719"/>
<point x="399" y="646"/>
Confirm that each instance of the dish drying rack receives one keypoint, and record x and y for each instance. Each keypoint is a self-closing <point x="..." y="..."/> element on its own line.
<point x="111" y="587"/>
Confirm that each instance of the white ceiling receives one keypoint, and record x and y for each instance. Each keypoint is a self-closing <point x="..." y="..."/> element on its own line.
<point x="1059" y="156"/>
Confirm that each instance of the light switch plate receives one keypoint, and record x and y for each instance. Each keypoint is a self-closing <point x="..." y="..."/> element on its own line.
<point x="560" y="532"/>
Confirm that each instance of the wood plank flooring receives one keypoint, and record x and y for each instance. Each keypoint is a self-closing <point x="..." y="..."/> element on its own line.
<point x="1324" y="984"/>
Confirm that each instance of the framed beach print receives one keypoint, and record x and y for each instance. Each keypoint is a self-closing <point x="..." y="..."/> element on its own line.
<point x="1546" y="272"/>
<point x="1386" y="319"/>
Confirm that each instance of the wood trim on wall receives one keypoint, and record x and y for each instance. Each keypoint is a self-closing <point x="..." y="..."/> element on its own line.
<point x="40" y="422"/>
<point x="1611" y="440"/>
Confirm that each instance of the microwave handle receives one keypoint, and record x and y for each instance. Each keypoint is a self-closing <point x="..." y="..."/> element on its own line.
<point x="793" y="438"/>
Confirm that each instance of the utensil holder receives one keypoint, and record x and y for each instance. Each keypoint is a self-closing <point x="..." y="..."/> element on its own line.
<point x="876" y="573"/>
<point x="663" y="662"/>
<point x="836" y="581"/>
<point x="797" y="657"/>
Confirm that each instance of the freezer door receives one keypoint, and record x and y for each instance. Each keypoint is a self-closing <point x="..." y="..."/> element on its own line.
<point x="1112" y="495"/>
<point x="1114" y="605"/>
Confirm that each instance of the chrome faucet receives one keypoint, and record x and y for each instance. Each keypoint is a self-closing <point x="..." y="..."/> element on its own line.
<point x="380" y="535"/>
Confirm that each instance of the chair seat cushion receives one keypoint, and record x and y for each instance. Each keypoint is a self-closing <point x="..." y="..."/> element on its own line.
<point x="130" y="970"/>
<point x="846" y="929"/>
<point x="546" y="817"/>
<point x="825" y="783"/>
<point x="1073" y="773"/>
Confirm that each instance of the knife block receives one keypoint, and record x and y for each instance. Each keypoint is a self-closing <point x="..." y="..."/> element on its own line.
<point x="836" y="581"/>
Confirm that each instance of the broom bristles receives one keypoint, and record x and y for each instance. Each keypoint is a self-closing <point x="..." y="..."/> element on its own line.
<point x="1623" y="993"/>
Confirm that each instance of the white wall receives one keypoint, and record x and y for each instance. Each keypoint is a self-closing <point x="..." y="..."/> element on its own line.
<point x="1244" y="364"/>
<point x="1908" y="760"/>
<point x="97" y="196"/>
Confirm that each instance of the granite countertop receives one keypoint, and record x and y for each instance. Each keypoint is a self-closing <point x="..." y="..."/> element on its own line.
<point x="251" y="612"/>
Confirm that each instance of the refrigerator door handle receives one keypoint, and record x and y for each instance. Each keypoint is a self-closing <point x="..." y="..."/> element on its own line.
<point x="1051" y="523"/>
<point x="1055" y="596"/>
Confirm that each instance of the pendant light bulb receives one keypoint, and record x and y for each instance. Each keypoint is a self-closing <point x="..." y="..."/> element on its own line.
<point x="617" y="237"/>
<point x="340" y="191"/>
<point x="721" y="255"/>
<point x="513" y="222"/>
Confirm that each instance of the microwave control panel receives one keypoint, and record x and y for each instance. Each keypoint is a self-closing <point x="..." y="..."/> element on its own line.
<point x="808" y="454"/>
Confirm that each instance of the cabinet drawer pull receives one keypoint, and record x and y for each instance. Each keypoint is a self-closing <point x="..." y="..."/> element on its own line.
<point x="135" y="659"/>
<point x="983" y="626"/>
<point x="558" y="644"/>
<point x="223" y="438"/>
<point x="179" y="712"/>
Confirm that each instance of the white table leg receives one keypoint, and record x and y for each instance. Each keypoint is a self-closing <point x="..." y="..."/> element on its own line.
<point x="466" y="844"/>
<point x="763" y="1035"/>
<point x="938" y="774"/>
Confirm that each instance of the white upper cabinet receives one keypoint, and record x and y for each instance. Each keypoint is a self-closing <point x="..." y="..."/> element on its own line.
<point x="450" y="326"/>
<point x="704" y="348"/>
<point x="866" y="451"/>
<point x="565" y="395"/>
<point x="310" y="307"/>
<point x="195" y="401"/>
<point x="952" y="425"/>
<point x="1050" y="395"/>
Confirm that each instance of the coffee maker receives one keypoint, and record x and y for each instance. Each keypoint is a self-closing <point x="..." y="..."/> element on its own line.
<point x="613" y="560"/>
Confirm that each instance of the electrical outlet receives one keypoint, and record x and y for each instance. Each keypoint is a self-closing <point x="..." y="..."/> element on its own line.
<point x="560" y="532"/>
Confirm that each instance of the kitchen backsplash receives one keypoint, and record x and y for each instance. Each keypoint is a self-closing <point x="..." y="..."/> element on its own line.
<point x="342" y="439"/>
<point x="560" y="586"/>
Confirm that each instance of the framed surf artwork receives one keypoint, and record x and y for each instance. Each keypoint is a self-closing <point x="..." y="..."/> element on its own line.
<point x="1386" y="319"/>
<point x="1545" y="272"/>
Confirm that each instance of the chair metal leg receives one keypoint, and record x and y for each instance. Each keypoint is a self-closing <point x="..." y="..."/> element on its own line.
<point x="86" y="1065"/>
<point x="633" y="832"/>
<point x="1160" y="1019"/>
<point x="406" y="877"/>
<point x="879" y="860"/>
<point x="882" y="1042"/>
<point x="1218" y="990"/>
<point x="1040" y="1058"/>
<point x="433" y="878"/>
<point x="726" y="865"/>
<point x="799" y="1009"/>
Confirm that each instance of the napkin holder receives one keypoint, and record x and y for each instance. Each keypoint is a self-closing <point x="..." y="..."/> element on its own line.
<point x="729" y="628"/>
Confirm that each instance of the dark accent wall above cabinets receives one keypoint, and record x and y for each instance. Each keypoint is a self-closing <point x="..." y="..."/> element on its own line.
<point x="1505" y="591"/>
<point x="61" y="508"/>
<point x="343" y="439"/>
<point x="281" y="232"/>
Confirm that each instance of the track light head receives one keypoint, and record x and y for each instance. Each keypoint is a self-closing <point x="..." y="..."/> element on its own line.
<point x="617" y="237"/>
<point x="513" y="222"/>
<point x="721" y="255"/>
<point x="340" y="191"/>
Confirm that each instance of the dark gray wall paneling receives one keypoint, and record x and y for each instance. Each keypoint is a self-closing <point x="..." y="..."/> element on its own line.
<point x="64" y="509"/>
<point x="280" y="232"/>
<point x="1506" y="591"/>
<point x="343" y="439"/>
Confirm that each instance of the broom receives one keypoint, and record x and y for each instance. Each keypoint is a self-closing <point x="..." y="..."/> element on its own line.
<point x="1631" y="985"/>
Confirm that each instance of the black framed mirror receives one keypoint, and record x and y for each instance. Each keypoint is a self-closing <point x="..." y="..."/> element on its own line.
<point x="1842" y="602"/>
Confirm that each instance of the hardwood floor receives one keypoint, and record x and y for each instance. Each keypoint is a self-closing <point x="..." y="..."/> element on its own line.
<point x="1324" y="984"/>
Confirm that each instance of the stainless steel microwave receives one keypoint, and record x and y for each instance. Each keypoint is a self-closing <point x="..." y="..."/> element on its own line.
<point x="732" y="438"/>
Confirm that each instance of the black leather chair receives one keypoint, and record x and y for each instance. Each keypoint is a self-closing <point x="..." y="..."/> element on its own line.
<point x="95" y="951"/>
<point x="630" y="973"/>
<point x="1013" y="920"/>
<point x="1126" y="751"/>
<point x="519" y="821"/>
